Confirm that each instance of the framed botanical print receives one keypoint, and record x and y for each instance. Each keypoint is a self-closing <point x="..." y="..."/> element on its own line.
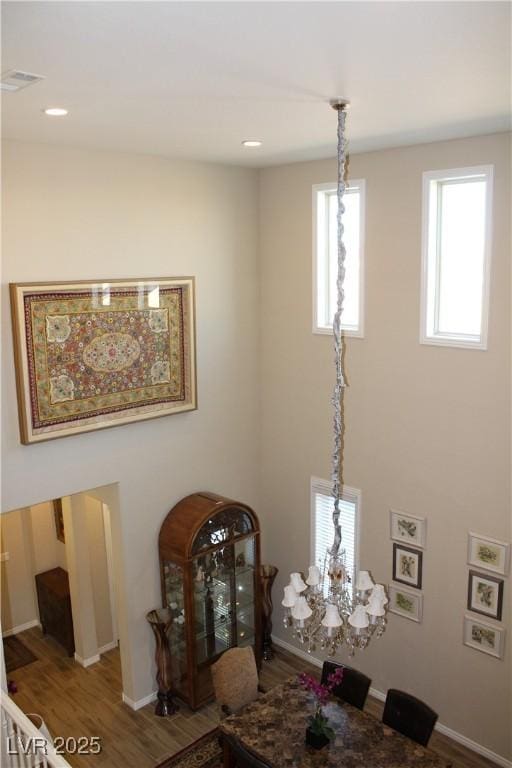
<point x="489" y="554"/>
<point x="408" y="528"/>
<point x="485" y="594"/>
<point x="407" y="565"/>
<point x="91" y="355"/>
<point x="406" y="603"/>
<point x="484" y="637"/>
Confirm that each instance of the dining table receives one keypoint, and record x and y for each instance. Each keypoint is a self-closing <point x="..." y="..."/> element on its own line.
<point x="273" y="728"/>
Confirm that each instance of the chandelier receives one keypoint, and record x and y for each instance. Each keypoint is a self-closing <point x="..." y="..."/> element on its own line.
<point x="326" y="608"/>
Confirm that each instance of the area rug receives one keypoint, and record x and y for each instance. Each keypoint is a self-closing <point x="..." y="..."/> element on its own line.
<point x="16" y="654"/>
<point x="206" y="752"/>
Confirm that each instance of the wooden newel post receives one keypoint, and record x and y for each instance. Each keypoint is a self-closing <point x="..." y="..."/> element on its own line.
<point x="160" y="621"/>
<point x="267" y="574"/>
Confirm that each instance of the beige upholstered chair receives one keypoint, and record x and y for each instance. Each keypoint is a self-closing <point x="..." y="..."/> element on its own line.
<point x="235" y="679"/>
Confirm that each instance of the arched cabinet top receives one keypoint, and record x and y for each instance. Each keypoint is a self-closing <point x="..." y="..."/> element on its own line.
<point x="204" y="520"/>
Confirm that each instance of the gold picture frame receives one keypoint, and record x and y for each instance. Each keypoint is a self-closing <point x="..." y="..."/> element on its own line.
<point x="59" y="520"/>
<point x="91" y="355"/>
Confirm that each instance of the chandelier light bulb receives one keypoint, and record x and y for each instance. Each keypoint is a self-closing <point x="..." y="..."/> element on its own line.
<point x="332" y="616"/>
<point x="380" y="592"/>
<point x="290" y="597"/>
<point x="359" y="619"/>
<point x="301" y="611"/>
<point x="314" y="576"/>
<point x="364" y="582"/>
<point x="375" y="607"/>
<point x="297" y="582"/>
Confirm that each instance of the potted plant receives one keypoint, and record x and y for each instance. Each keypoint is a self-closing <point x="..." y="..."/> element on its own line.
<point x="319" y="732"/>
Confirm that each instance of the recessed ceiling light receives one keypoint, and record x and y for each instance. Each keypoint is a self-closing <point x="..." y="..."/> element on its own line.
<point x="251" y="143"/>
<point x="56" y="112"/>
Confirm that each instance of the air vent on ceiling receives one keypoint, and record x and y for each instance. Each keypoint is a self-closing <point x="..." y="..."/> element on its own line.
<point x="15" y="79"/>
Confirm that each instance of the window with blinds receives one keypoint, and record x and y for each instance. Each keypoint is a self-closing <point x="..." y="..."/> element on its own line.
<point x="322" y="530"/>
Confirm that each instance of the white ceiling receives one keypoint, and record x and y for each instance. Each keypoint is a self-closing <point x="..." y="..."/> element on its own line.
<point x="193" y="79"/>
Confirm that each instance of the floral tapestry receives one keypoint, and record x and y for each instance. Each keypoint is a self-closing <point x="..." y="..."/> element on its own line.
<point x="92" y="355"/>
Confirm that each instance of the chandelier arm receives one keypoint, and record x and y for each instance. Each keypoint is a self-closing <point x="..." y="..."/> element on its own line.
<point x="338" y="393"/>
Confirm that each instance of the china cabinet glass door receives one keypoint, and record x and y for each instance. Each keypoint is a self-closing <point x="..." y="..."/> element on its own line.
<point x="224" y="599"/>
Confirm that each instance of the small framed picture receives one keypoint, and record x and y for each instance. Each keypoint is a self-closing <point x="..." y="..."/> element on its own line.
<point x="485" y="594"/>
<point x="407" y="528"/>
<point x="406" y="603"/>
<point x="484" y="637"/>
<point x="59" y="520"/>
<point x="407" y="565"/>
<point x="489" y="554"/>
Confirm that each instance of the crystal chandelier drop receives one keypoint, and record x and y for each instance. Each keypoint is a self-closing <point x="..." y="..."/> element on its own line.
<point x="325" y="609"/>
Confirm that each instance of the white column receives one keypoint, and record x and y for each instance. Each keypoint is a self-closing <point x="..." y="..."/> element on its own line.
<point x="80" y="585"/>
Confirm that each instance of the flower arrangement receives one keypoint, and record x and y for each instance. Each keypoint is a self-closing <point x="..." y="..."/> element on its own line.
<point x="319" y="731"/>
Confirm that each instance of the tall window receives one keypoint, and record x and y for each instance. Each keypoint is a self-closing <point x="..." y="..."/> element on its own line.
<point x="322" y="530"/>
<point x="325" y="257"/>
<point x="457" y="209"/>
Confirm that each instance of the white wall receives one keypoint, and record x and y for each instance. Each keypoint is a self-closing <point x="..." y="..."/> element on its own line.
<point x="72" y="214"/>
<point x="29" y="537"/>
<point x="99" y="571"/>
<point x="428" y="428"/>
<point x="48" y="551"/>
<point x="18" y="596"/>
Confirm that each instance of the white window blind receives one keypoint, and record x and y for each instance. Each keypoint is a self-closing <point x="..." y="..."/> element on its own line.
<point x="456" y="256"/>
<point x="322" y="530"/>
<point x="325" y="257"/>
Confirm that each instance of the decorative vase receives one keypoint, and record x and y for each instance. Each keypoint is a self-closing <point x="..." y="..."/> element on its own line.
<point x="315" y="740"/>
<point x="160" y="621"/>
<point x="267" y="574"/>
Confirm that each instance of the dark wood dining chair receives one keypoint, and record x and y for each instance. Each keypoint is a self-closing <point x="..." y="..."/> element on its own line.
<point x="354" y="686"/>
<point x="409" y="716"/>
<point x="239" y="756"/>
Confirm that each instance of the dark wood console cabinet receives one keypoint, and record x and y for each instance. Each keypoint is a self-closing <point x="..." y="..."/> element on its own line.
<point x="55" y="607"/>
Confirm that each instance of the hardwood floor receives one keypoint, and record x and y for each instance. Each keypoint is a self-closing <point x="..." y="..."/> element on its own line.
<point x="87" y="702"/>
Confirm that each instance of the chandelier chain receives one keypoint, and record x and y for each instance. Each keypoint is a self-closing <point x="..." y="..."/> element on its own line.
<point x="329" y="606"/>
<point x="337" y="398"/>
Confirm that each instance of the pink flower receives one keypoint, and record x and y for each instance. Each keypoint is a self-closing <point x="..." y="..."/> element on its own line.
<point x="321" y="692"/>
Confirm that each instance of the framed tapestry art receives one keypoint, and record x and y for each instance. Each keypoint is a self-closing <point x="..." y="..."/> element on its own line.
<point x="94" y="355"/>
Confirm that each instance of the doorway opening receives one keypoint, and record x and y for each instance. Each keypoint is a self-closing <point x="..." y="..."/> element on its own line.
<point x="60" y="582"/>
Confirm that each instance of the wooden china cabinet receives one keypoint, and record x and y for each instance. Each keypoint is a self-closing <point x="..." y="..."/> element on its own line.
<point x="209" y="550"/>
